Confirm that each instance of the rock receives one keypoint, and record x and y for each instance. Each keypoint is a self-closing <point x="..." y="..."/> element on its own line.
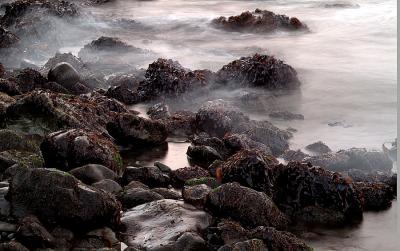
<point x="389" y="179"/>
<point x="137" y="196"/>
<point x="11" y="140"/>
<point x="209" y="181"/>
<point x="56" y="197"/>
<point x="203" y="155"/>
<point x="341" y="5"/>
<point x="108" y="185"/>
<point x="33" y="235"/>
<point x="158" y="111"/>
<point x="285" y="115"/>
<point x="29" y="80"/>
<point x="168" y="78"/>
<point x="181" y="175"/>
<point x="47" y="112"/>
<point x="136" y="184"/>
<point x="246" y="205"/>
<point x="12" y="246"/>
<point x="7" y="227"/>
<point x="122" y="93"/>
<point x="151" y="176"/>
<point x="21" y="158"/>
<point x="375" y="196"/>
<point x="69" y="58"/>
<point x="181" y="123"/>
<point x="63" y="237"/>
<point x="4" y="204"/>
<point x="167" y="193"/>
<point x="353" y="158"/>
<point x="313" y="194"/>
<point x="249" y="245"/>
<point x="258" y="21"/>
<point x="7" y="38"/>
<point x="93" y="173"/>
<point x="318" y="148"/>
<point x="196" y="195"/>
<point x="65" y="74"/>
<point x="73" y="148"/>
<point x="98" y="239"/>
<point x="161" y="223"/>
<point x="131" y="129"/>
<point x="9" y="87"/>
<point x="291" y="155"/>
<point x="162" y="167"/>
<point x="237" y="142"/>
<point x="258" y="71"/>
<point x="250" y="169"/>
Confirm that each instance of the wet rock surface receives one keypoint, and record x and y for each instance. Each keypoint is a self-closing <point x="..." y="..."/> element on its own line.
<point x="258" y="21"/>
<point x="163" y="222"/>
<point x="181" y="175"/>
<point x="375" y="196"/>
<point x="151" y="176"/>
<point x="93" y="173"/>
<point x="285" y="115"/>
<point x="318" y="148"/>
<point x="66" y="75"/>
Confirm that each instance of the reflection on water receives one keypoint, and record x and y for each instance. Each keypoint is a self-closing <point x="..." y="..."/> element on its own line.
<point x="378" y="231"/>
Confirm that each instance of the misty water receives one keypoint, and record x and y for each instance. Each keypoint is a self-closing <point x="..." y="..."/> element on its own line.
<point x="346" y="63"/>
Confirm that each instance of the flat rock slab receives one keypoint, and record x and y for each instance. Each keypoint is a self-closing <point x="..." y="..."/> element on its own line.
<point x="160" y="223"/>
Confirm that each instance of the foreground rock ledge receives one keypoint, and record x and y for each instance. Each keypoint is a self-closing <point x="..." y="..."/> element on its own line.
<point x="161" y="225"/>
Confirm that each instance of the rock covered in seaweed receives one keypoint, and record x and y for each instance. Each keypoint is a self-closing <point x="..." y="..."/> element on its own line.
<point x="73" y="148"/>
<point x="258" y="21"/>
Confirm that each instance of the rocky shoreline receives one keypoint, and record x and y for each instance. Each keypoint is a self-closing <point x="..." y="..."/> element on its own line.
<point x="65" y="186"/>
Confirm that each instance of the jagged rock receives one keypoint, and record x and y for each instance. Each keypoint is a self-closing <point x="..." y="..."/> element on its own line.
<point x="246" y="205"/>
<point x="164" y="223"/>
<point x="285" y="115"/>
<point x="291" y="155"/>
<point x="181" y="175"/>
<point x="258" y="21"/>
<point x="181" y="123"/>
<point x="137" y="196"/>
<point x="258" y="71"/>
<point x="56" y="197"/>
<point x="93" y="173"/>
<point x="131" y="129"/>
<point x="313" y="194"/>
<point x="196" y="194"/>
<point x="249" y="168"/>
<point x="108" y="185"/>
<point x="49" y="112"/>
<point x="73" y="148"/>
<point x="65" y="74"/>
<point x="375" y="196"/>
<point x="318" y="148"/>
<point x="151" y="176"/>
<point x="203" y="155"/>
<point x="354" y="158"/>
<point x="158" y="111"/>
<point x="33" y="235"/>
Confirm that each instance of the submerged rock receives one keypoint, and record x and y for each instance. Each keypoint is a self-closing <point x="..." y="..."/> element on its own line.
<point x="258" y="71"/>
<point x="354" y="158"/>
<point x="318" y="148"/>
<point x="131" y="129"/>
<point x="246" y="205"/>
<point x="258" y="21"/>
<point x="73" y="148"/>
<point x="285" y="115"/>
<point x="163" y="224"/>
<point x="106" y="44"/>
<point x="313" y="194"/>
<point x="56" y="197"/>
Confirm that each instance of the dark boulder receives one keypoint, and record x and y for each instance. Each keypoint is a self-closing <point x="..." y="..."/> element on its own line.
<point x="167" y="193"/>
<point x="258" y="71"/>
<point x="209" y="181"/>
<point x="33" y="235"/>
<point x="203" y="155"/>
<point x="237" y="142"/>
<point x="196" y="195"/>
<point x="181" y="175"/>
<point x="375" y="196"/>
<point x="108" y="185"/>
<point x="132" y="129"/>
<point x="106" y="44"/>
<point x="181" y="123"/>
<point x="318" y="148"/>
<point x="65" y="74"/>
<point x="9" y="87"/>
<point x="164" y="225"/>
<point x="73" y="148"/>
<point x="56" y="197"/>
<point x="249" y="245"/>
<point x="93" y="173"/>
<point x="69" y="58"/>
<point x="258" y="21"/>
<point x="29" y="80"/>
<point x="354" y="158"/>
<point x="137" y="196"/>
<point x="7" y="38"/>
<point x="313" y="194"/>
<point x="151" y="176"/>
<point x="250" y="169"/>
<point x="291" y="155"/>
<point x="246" y="205"/>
